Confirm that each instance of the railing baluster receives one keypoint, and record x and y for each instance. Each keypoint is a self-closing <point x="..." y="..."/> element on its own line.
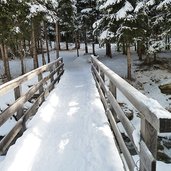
<point x="21" y="99"/>
<point x="152" y="122"/>
<point x="17" y="92"/>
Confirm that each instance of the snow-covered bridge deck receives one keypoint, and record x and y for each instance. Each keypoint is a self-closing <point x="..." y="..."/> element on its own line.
<point x="70" y="131"/>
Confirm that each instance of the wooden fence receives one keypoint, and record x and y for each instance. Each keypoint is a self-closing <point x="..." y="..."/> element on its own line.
<point x="44" y="79"/>
<point x="154" y="119"/>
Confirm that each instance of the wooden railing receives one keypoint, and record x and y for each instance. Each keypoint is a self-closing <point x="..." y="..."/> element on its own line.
<point x="154" y="118"/>
<point x="42" y="80"/>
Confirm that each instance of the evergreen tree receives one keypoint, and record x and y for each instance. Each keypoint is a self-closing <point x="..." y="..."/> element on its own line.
<point x="66" y="14"/>
<point x="87" y="15"/>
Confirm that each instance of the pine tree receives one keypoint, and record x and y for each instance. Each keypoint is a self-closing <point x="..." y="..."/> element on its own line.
<point x="66" y="18"/>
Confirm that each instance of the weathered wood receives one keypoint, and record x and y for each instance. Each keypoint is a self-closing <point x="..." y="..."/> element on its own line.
<point x="139" y="100"/>
<point x="19" y="103"/>
<point x="20" y="100"/>
<point x="149" y="135"/>
<point x="32" y="110"/>
<point x="6" y="114"/>
<point x="5" y="142"/>
<point x="102" y="83"/>
<point x="154" y="118"/>
<point x="147" y="160"/>
<point x="130" y="162"/>
<point x="102" y="76"/>
<point x="101" y="94"/>
<point x="17" y="93"/>
<point x="127" y="155"/>
<point x="40" y="77"/>
<point x="112" y="89"/>
<point x="18" y="81"/>
<point x="129" y="128"/>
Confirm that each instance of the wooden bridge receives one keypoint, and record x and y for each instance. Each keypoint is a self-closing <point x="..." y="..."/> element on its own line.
<point x="154" y="119"/>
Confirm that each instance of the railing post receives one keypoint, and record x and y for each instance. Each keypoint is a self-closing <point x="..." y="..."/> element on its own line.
<point x="52" y="78"/>
<point x="17" y="93"/>
<point x="112" y="89"/>
<point x="149" y="136"/>
<point x="41" y="89"/>
<point x="61" y="69"/>
<point x="103" y="78"/>
<point x="58" y="71"/>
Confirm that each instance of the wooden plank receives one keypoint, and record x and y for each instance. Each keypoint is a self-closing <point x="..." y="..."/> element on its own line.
<point x="147" y="160"/>
<point x="17" y="93"/>
<point x="129" y="160"/>
<point x="140" y="101"/>
<point x="102" y="96"/>
<point x="16" y="82"/>
<point x="149" y="135"/>
<point x="129" y="128"/>
<point x="100" y="80"/>
<point x="32" y="110"/>
<point x="5" y="115"/>
<point x="5" y="142"/>
<point x="40" y="77"/>
<point x="125" y="151"/>
<point x="112" y="89"/>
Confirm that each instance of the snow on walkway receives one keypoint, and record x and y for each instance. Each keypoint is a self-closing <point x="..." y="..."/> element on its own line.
<point x="70" y="131"/>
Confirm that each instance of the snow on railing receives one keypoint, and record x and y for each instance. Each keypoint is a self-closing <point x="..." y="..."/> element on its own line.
<point x="154" y="118"/>
<point x="26" y="93"/>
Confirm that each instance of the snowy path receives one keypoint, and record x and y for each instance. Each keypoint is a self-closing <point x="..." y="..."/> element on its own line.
<point x="70" y="132"/>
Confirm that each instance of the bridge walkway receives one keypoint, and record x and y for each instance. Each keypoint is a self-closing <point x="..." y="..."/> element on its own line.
<point x="70" y="131"/>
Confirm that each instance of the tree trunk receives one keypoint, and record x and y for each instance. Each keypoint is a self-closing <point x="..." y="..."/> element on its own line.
<point x="67" y="47"/>
<point x="42" y="51"/>
<point x="85" y="41"/>
<point x="124" y="48"/>
<point x="168" y="40"/>
<point x="22" y="57"/>
<point x="6" y="62"/>
<point x="108" y="50"/>
<point x="33" y="39"/>
<point x="47" y="45"/>
<point x="118" y="47"/>
<point x="139" y="50"/>
<point x="135" y="46"/>
<point x="78" y="40"/>
<point x="77" y="45"/>
<point x="93" y="47"/>
<point x="57" y="39"/>
<point x="128" y="62"/>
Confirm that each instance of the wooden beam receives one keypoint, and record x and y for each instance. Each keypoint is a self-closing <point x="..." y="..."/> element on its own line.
<point x="140" y="101"/>
<point x="16" y="82"/>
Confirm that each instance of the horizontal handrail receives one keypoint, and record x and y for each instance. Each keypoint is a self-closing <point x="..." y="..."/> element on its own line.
<point x="154" y="118"/>
<point x="152" y="110"/>
<point x="43" y="85"/>
<point x="19" y="80"/>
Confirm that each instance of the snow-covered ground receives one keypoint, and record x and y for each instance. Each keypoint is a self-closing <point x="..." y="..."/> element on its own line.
<point x="70" y="131"/>
<point x="148" y="79"/>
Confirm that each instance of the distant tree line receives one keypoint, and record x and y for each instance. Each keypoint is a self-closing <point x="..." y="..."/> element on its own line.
<point x="27" y="27"/>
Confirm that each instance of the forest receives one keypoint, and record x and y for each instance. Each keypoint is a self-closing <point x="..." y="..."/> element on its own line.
<point x="28" y="28"/>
